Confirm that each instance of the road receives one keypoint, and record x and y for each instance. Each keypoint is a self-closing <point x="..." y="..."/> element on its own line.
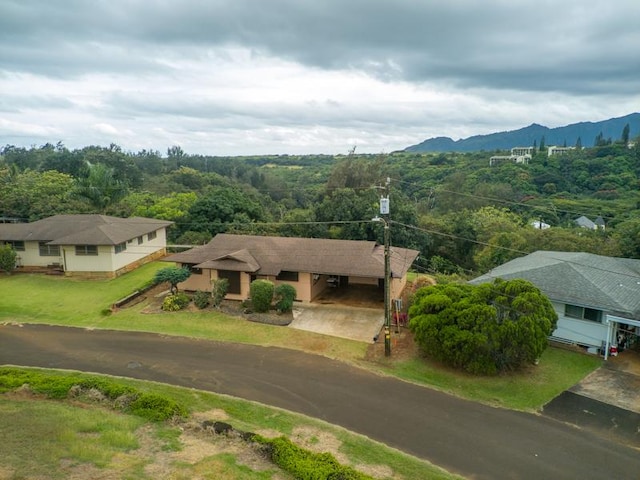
<point x="470" y="439"/>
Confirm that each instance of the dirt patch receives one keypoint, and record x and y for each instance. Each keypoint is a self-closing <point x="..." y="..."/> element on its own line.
<point x="403" y="346"/>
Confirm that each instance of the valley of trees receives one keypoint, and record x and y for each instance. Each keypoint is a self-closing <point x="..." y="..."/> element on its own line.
<point x="464" y="216"/>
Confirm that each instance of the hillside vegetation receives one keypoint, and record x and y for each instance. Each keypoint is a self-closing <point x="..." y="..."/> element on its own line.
<point x="463" y="215"/>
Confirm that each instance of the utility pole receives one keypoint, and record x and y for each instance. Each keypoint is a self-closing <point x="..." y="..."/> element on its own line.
<point x="384" y="211"/>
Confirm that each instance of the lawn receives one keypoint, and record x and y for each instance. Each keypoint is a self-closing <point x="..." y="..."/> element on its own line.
<point x="85" y="303"/>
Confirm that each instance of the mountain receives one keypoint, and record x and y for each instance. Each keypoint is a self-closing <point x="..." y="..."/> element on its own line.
<point x="525" y="137"/>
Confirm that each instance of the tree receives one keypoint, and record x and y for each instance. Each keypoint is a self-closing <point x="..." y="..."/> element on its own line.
<point x="285" y="295"/>
<point x="483" y="329"/>
<point x="625" y="135"/>
<point x="100" y="187"/>
<point x="8" y="258"/>
<point x="172" y="275"/>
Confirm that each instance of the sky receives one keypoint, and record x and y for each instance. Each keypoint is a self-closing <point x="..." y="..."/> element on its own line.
<point x="251" y="77"/>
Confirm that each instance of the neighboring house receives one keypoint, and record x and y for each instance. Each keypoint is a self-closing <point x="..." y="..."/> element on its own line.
<point x="597" y="298"/>
<point x="86" y="245"/>
<point x="311" y="265"/>
<point x="584" y="222"/>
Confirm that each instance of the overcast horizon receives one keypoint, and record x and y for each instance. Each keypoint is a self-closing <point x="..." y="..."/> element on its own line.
<point x="246" y="77"/>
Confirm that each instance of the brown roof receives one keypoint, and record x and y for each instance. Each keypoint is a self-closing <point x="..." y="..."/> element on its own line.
<point x="89" y="229"/>
<point x="271" y="255"/>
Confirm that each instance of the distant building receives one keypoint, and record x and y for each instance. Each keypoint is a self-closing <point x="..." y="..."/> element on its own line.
<point x="585" y="222"/>
<point x="558" y="150"/>
<point x="520" y="155"/>
<point x="540" y="225"/>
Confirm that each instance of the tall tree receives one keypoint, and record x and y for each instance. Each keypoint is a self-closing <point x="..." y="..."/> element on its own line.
<point x="625" y="134"/>
<point x="100" y="187"/>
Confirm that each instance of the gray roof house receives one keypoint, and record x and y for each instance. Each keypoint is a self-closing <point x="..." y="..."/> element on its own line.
<point x="86" y="245"/>
<point x="311" y="265"/>
<point x="585" y="222"/>
<point x="597" y="298"/>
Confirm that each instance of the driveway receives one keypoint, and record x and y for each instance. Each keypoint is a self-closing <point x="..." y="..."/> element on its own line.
<point x="606" y="401"/>
<point x="355" y="323"/>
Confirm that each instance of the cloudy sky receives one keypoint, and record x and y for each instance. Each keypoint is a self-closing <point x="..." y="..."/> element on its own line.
<point x="241" y="77"/>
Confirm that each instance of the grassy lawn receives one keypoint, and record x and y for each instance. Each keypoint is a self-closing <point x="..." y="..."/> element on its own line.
<point x="61" y="439"/>
<point x="82" y="303"/>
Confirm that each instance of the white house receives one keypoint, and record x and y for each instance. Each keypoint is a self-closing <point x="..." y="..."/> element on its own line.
<point x="86" y="245"/>
<point x="597" y="298"/>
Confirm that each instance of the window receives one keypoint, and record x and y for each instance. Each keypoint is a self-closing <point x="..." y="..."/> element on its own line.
<point x="140" y="240"/>
<point x="17" y="245"/>
<point x="86" y="250"/>
<point x="121" y="247"/>
<point x="287" y="276"/>
<point x="151" y="236"/>
<point x="234" y="280"/>
<point x="583" y="313"/>
<point x="48" y="250"/>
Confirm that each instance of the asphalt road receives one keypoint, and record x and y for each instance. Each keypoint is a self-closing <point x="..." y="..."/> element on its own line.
<point x="470" y="439"/>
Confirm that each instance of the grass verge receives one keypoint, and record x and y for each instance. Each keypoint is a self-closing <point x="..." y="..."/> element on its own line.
<point x="79" y="439"/>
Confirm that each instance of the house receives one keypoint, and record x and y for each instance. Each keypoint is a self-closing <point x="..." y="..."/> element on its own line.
<point x="540" y="225"/>
<point x="311" y="265"/>
<point x="86" y="245"/>
<point x="597" y="298"/>
<point x="585" y="222"/>
<point x="554" y="150"/>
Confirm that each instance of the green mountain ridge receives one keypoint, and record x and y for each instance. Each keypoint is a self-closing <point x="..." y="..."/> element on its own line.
<point x="527" y="136"/>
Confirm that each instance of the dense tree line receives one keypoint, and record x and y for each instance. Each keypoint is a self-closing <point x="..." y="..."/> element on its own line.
<point x="462" y="214"/>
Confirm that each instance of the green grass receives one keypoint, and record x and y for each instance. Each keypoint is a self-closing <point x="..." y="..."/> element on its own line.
<point x="557" y="370"/>
<point x="40" y="437"/>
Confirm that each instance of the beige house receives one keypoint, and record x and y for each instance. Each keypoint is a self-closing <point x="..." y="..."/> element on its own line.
<point x="311" y="265"/>
<point x="86" y="245"/>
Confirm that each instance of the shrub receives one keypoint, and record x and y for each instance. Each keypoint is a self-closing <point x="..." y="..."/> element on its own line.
<point x="156" y="407"/>
<point x="172" y="275"/>
<point x="306" y="465"/>
<point x="175" y="302"/>
<point x="8" y="258"/>
<point x="202" y="299"/>
<point x="285" y="295"/>
<point x="219" y="290"/>
<point x="261" y="292"/>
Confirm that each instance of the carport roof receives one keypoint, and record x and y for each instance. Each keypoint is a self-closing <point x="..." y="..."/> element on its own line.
<point x="272" y="255"/>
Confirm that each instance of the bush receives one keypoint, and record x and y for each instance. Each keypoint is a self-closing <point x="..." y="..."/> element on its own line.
<point x="155" y="407"/>
<point x="285" y="295"/>
<point x="175" y="302"/>
<point x="306" y="465"/>
<point x="8" y="257"/>
<point x="202" y="299"/>
<point x="219" y="290"/>
<point x="261" y="292"/>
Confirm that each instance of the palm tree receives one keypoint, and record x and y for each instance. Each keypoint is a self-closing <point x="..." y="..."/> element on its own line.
<point x="100" y="187"/>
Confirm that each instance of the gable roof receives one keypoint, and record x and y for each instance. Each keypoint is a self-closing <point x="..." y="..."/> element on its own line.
<point x="272" y="255"/>
<point x="88" y="229"/>
<point x="585" y="279"/>
<point x="585" y="222"/>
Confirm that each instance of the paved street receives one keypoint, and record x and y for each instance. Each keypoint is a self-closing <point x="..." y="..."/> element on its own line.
<point x="473" y="440"/>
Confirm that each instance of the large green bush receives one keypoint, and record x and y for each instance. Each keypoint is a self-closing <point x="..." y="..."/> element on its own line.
<point x="285" y="295"/>
<point x="201" y="299"/>
<point x="483" y="329"/>
<point x="8" y="257"/>
<point x="219" y="290"/>
<point x="261" y="292"/>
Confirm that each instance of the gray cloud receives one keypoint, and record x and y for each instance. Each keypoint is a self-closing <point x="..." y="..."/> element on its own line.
<point x="491" y="64"/>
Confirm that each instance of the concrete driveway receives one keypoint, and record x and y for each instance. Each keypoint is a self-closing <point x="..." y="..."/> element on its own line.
<point x="355" y="323"/>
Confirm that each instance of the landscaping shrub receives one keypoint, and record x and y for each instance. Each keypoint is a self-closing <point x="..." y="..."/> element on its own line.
<point x="219" y="289"/>
<point x="285" y="295"/>
<point x="261" y="292"/>
<point x="150" y="406"/>
<point x="175" y="302"/>
<point x="202" y="299"/>
<point x="173" y="276"/>
<point x="306" y="465"/>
